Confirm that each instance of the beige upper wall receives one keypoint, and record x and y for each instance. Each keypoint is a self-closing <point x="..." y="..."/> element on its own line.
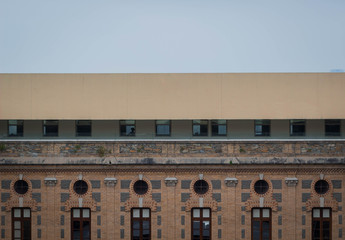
<point x="173" y="96"/>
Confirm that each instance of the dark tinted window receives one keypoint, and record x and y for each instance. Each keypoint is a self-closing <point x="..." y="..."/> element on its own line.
<point x="297" y="127"/>
<point x="140" y="187"/>
<point x="21" y="187"/>
<point x="80" y="187"/>
<point x="218" y="127"/>
<point x="15" y="128"/>
<point x="262" y="128"/>
<point x="201" y="224"/>
<point x="321" y="187"/>
<point x="200" y="127"/>
<point x="201" y="187"/>
<point x="141" y="224"/>
<point x="163" y="128"/>
<point x="50" y="128"/>
<point x="21" y="224"/>
<point x="261" y="187"/>
<point x="83" y="128"/>
<point x="81" y="224"/>
<point x="332" y="127"/>
<point x="261" y="224"/>
<point x="322" y="224"/>
<point x="127" y="128"/>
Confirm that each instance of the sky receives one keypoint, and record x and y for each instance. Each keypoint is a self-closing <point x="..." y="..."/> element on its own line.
<point x="171" y="36"/>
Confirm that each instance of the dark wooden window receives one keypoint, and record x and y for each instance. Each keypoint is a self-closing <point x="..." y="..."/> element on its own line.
<point x="332" y="127"/>
<point x="200" y="127"/>
<point x="21" y="224"/>
<point x="262" y="128"/>
<point x="322" y="224"/>
<point x="140" y="187"/>
<point x="80" y="187"/>
<point x="163" y="128"/>
<point x="15" y="128"/>
<point x="141" y="224"/>
<point x="81" y="224"/>
<point x="50" y="128"/>
<point x="218" y="127"/>
<point x="261" y="187"/>
<point x="83" y="128"/>
<point x="201" y="224"/>
<point x="297" y="127"/>
<point x="261" y="224"/>
<point x="201" y="187"/>
<point x="21" y="187"/>
<point x="321" y="187"/>
<point x="127" y="128"/>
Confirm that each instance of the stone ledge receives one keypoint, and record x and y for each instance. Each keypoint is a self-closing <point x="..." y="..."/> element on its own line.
<point x="171" y="161"/>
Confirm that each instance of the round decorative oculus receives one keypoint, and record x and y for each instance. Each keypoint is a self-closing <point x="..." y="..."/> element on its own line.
<point x="321" y="187"/>
<point x="261" y="187"/>
<point x="201" y="187"/>
<point x="80" y="187"/>
<point x="140" y="187"/>
<point x="21" y="187"/>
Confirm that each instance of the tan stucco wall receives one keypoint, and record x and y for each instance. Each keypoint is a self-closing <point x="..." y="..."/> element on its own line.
<point x="173" y="96"/>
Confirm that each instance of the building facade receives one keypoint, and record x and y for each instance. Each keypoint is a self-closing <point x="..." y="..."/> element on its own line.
<point x="172" y="156"/>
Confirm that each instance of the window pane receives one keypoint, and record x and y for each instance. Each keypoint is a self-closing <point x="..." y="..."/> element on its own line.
<point x="136" y="225"/>
<point x="86" y="229"/>
<point x="256" y="213"/>
<point x="196" y="130"/>
<point x="16" y="224"/>
<point x="146" y="213"/>
<point x="17" y="233"/>
<point x="326" y="213"/>
<point x="17" y="213"/>
<point x="76" y="213"/>
<point x="86" y="213"/>
<point x="206" y="213"/>
<point x="83" y="128"/>
<point x="325" y="230"/>
<point x="316" y="230"/>
<point x="146" y="225"/>
<point x="76" y="235"/>
<point x="196" y="213"/>
<point x="163" y="129"/>
<point x="12" y="130"/>
<point x="136" y="233"/>
<point x="76" y="225"/>
<point x="26" y="213"/>
<point x="206" y="225"/>
<point x="256" y="230"/>
<point x="332" y="127"/>
<point x="265" y="213"/>
<point x="316" y="213"/>
<point x="27" y="229"/>
<point x="265" y="230"/>
<point x="136" y="213"/>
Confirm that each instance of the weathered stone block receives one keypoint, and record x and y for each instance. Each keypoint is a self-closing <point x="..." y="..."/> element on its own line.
<point x="125" y="184"/>
<point x="245" y="184"/>
<point x="156" y="184"/>
<point x="216" y="184"/>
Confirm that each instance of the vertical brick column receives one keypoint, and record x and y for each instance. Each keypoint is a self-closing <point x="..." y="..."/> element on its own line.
<point x="289" y="216"/>
<point x="170" y="210"/>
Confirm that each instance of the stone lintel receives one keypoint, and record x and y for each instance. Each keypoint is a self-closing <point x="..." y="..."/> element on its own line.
<point x="291" y="182"/>
<point x="231" y="182"/>
<point x="110" y="182"/>
<point x="50" y="181"/>
<point x="170" y="181"/>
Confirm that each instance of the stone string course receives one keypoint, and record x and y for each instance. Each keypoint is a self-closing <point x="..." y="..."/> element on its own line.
<point x="173" y="149"/>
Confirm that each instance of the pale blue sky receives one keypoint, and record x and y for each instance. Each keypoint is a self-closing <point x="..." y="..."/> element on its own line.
<point x="128" y="36"/>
